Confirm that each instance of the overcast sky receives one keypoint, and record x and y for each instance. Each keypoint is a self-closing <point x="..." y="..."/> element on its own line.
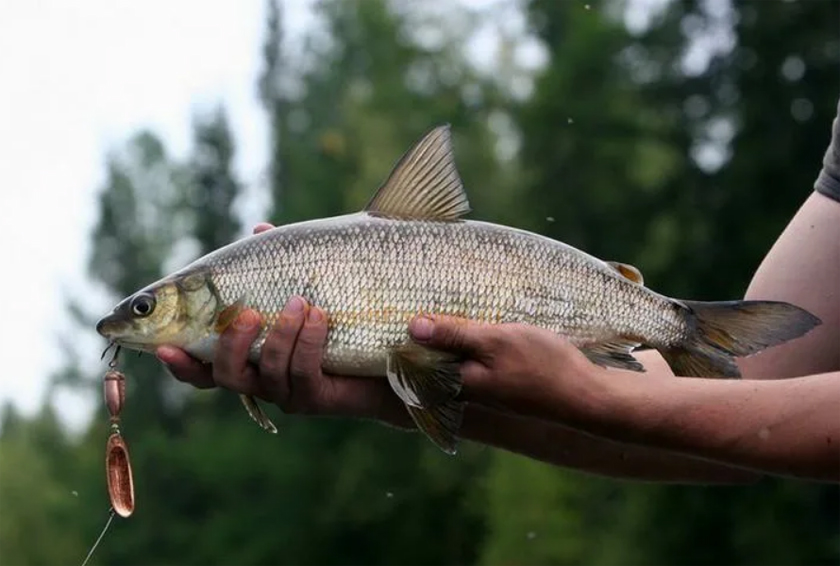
<point x="77" y="79"/>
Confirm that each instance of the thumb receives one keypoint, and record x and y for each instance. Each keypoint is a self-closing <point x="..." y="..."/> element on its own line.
<point x="446" y="334"/>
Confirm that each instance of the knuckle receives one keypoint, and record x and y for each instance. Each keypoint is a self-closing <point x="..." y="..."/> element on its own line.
<point x="287" y="328"/>
<point x="301" y="367"/>
<point x="273" y="357"/>
<point x="311" y="338"/>
<point x="450" y="334"/>
<point x="500" y="337"/>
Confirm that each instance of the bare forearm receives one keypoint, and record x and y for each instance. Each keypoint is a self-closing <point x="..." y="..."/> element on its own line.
<point x="569" y="448"/>
<point x="787" y="427"/>
<point x="565" y="447"/>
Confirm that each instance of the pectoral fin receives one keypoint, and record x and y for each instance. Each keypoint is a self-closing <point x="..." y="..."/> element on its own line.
<point x="257" y="413"/>
<point x="422" y="377"/>
<point x="440" y="423"/>
<point x="226" y="317"/>
<point x="428" y="381"/>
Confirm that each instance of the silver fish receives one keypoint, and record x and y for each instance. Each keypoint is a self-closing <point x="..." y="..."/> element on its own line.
<point x="411" y="252"/>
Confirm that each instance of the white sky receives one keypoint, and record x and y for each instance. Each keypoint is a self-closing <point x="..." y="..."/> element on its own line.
<point x="78" y="78"/>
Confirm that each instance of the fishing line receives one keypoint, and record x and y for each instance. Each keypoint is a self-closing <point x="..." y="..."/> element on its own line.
<point x="102" y="534"/>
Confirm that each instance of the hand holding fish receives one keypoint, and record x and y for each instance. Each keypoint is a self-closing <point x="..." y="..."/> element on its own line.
<point x="289" y="371"/>
<point x="515" y="367"/>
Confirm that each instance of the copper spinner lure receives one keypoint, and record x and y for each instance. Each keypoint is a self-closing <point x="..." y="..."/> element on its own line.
<point x="117" y="462"/>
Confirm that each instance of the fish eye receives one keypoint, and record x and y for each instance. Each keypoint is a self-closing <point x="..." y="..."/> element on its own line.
<point x="143" y="305"/>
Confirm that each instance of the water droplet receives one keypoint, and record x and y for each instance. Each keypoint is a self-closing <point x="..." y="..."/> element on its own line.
<point x="532" y="535"/>
<point x="389" y="495"/>
<point x="587" y="7"/>
<point x="75" y="493"/>
<point x="570" y="121"/>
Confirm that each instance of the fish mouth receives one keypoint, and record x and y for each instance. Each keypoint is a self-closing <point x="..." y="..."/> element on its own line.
<point x="110" y="327"/>
<point x="116" y="330"/>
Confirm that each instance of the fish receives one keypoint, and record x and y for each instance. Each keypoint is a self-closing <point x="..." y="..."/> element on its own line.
<point x="411" y="251"/>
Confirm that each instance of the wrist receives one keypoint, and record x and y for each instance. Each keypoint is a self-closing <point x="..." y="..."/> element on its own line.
<point x="602" y="401"/>
<point x="599" y="400"/>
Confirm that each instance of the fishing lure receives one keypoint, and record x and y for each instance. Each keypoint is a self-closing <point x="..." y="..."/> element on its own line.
<point x="117" y="462"/>
<point x="118" y="474"/>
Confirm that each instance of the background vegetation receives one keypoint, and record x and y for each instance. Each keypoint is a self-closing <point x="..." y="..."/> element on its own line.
<point x="682" y="146"/>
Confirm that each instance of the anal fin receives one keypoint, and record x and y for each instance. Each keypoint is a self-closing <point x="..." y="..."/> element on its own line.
<point x="256" y="413"/>
<point x="440" y="423"/>
<point x="613" y="354"/>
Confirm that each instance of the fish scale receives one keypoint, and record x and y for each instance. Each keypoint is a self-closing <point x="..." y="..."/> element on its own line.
<point x="372" y="275"/>
<point x="411" y="252"/>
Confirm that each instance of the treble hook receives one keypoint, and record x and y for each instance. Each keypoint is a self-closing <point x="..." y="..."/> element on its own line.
<point x="113" y="363"/>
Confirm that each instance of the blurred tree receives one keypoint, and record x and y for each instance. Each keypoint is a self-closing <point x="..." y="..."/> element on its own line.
<point x="137" y="232"/>
<point x="213" y="188"/>
<point x="696" y="140"/>
<point x="38" y="491"/>
<point x="596" y="156"/>
<point x="364" y="91"/>
<point x="633" y="145"/>
<point x="760" y="114"/>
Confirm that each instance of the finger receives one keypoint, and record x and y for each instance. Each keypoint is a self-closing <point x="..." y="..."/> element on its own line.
<point x="230" y="367"/>
<point x="449" y="333"/>
<point x="262" y="227"/>
<point x="277" y="351"/>
<point x="305" y="365"/>
<point x="185" y="368"/>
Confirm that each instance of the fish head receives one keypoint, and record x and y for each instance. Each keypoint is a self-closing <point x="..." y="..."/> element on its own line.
<point x="175" y="311"/>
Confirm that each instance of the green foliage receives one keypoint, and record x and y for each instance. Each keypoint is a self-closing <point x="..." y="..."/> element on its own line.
<point x="627" y="180"/>
<point x="613" y="156"/>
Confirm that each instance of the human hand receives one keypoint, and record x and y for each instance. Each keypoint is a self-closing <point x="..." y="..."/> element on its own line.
<point x="289" y="370"/>
<point x="516" y="367"/>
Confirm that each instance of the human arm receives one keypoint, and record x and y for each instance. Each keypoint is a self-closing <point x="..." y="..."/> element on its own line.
<point x="764" y="422"/>
<point x="289" y="374"/>
<point x="785" y="426"/>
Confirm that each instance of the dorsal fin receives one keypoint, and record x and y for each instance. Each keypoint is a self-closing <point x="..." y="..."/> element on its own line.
<point x="628" y="271"/>
<point x="424" y="183"/>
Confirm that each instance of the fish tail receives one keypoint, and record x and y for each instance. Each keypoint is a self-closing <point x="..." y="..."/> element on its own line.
<point x="724" y="330"/>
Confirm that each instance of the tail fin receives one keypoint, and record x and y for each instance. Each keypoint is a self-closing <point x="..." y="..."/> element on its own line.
<point x="724" y="330"/>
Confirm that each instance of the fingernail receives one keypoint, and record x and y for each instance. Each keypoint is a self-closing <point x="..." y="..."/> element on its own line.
<point x="262" y="227"/>
<point x="315" y="315"/>
<point x="246" y="320"/>
<point x="295" y="305"/>
<point x="166" y="354"/>
<point x="421" y="329"/>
